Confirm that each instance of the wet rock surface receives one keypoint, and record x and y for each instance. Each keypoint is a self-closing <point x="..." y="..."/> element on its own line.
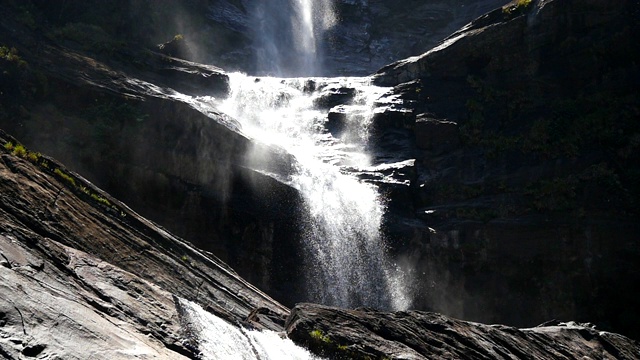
<point x="84" y="276"/>
<point x="513" y="153"/>
<point x="129" y="123"/>
<point x="510" y="170"/>
<point x="367" y="333"/>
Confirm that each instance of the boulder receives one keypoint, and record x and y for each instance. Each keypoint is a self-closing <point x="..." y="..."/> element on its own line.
<point x="367" y="333"/>
<point x="331" y="96"/>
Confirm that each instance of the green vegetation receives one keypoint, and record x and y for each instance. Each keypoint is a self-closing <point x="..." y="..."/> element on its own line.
<point x="518" y="6"/>
<point x="11" y="55"/>
<point x="66" y="177"/>
<point x="19" y="150"/>
<point x="318" y="335"/>
<point x="100" y="199"/>
<point x="36" y="158"/>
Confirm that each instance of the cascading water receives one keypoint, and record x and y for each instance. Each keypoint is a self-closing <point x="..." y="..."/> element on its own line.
<point x="345" y="252"/>
<point x="288" y="35"/>
<point x="217" y="339"/>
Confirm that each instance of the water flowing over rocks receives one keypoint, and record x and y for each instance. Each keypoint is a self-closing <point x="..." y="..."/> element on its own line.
<point x="507" y="158"/>
<point x="353" y="38"/>
<point x="172" y="160"/>
<point x="86" y="278"/>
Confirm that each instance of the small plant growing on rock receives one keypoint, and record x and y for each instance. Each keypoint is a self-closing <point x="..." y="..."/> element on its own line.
<point x="19" y="150"/>
<point x="100" y="199"/>
<point x="33" y="156"/>
<point x="516" y="6"/>
<point x="318" y="335"/>
<point x="65" y="176"/>
<point x="11" y="55"/>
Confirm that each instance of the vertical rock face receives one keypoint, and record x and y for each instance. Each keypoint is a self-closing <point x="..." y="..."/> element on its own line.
<point x="364" y="36"/>
<point x="526" y="202"/>
<point x="518" y="149"/>
<point x="373" y="33"/>
<point x="361" y="37"/>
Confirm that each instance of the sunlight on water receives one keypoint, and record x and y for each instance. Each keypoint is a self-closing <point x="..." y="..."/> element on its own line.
<point x="346" y="258"/>
<point x="289" y="35"/>
<point x="217" y="339"/>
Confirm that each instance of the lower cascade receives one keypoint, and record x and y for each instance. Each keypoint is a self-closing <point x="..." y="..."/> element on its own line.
<point x="345" y="253"/>
<point x="217" y="339"/>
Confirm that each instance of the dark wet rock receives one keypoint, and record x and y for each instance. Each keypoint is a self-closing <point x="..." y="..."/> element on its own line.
<point x="331" y="96"/>
<point x="128" y="127"/>
<point x="435" y="134"/>
<point x="401" y="173"/>
<point x="176" y="47"/>
<point x="84" y="276"/>
<point x="375" y="33"/>
<point x="185" y="76"/>
<point x="519" y="178"/>
<point x="337" y="120"/>
<point x="393" y="180"/>
<point x="367" y="333"/>
<point x="393" y="111"/>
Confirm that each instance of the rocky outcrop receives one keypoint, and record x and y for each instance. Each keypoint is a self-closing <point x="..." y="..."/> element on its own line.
<point x="365" y="36"/>
<point x="84" y="276"/>
<point x="371" y="334"/>
<point x="510" y="168"/>
<point x="522" y="129"/>
<point x="371" y="34"/>
<point x="131" y="125"/>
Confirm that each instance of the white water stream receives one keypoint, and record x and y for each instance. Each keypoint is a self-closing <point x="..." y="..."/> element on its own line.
<point x="217" y="339"/>
<point x="346" y="263"/>
<point x="288" y="35"/>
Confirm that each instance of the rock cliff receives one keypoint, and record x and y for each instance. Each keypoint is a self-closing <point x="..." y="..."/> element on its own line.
<point x="365" y="35"/>
<point x="114" y="118"/>
<point x="523" y="126"/>
<point x="511" y="149"/>
<point x="83" y="276"/>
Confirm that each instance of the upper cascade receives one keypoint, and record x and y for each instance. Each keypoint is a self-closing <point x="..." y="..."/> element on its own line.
<point x="344" y="249"/>
<point x="288" y="36"/>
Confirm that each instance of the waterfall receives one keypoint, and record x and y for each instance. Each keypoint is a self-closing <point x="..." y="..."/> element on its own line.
<point x="217" y="339"/>
<point x="346" y="263"/>
<point x="288" y="36"/>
